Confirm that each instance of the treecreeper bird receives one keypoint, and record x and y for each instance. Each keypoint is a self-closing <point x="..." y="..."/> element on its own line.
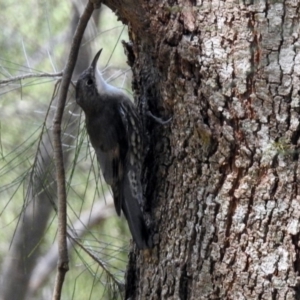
<point x="115" y="132"/>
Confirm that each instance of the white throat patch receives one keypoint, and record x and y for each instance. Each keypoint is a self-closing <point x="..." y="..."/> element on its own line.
<point x="103" y="87"/>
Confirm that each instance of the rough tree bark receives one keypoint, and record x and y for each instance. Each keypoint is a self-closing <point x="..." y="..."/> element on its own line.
<point x="221" y="180"/>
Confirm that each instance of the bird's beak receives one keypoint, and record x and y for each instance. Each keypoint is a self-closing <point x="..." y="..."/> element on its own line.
<point x="95" y="60"/>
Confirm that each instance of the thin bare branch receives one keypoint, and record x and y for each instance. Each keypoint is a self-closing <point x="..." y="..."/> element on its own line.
<point x="101" y="211"/>
<point x="63" y="261"/>
<point x="31" y="75"/>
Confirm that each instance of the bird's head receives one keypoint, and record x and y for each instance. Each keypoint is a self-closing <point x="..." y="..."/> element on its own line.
<point x="91" y="88"/>
<point x="90" y="85"/>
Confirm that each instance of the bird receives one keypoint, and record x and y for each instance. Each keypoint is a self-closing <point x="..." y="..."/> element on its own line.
<point x="115" y="132"/>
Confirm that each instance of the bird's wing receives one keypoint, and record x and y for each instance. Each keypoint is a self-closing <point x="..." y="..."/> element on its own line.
<point x="131" y="185"/>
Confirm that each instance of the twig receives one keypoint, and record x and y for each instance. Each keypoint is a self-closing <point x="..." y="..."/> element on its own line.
<point x="31" y="75"/>
<point x="118" y="283"/>
<point x="88" y="219"/>
<point x="63" y="261"/>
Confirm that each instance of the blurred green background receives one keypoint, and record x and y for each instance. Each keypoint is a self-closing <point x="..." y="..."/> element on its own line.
<point x="35" y="38"/>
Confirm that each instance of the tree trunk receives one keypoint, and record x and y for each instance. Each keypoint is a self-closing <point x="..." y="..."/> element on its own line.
<point x="221" y="180"/>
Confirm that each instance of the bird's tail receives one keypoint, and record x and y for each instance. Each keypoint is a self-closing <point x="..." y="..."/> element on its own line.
<point x="131" y="205"/>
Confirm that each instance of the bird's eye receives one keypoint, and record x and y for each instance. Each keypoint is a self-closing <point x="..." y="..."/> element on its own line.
<point x="89" y="82"/>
